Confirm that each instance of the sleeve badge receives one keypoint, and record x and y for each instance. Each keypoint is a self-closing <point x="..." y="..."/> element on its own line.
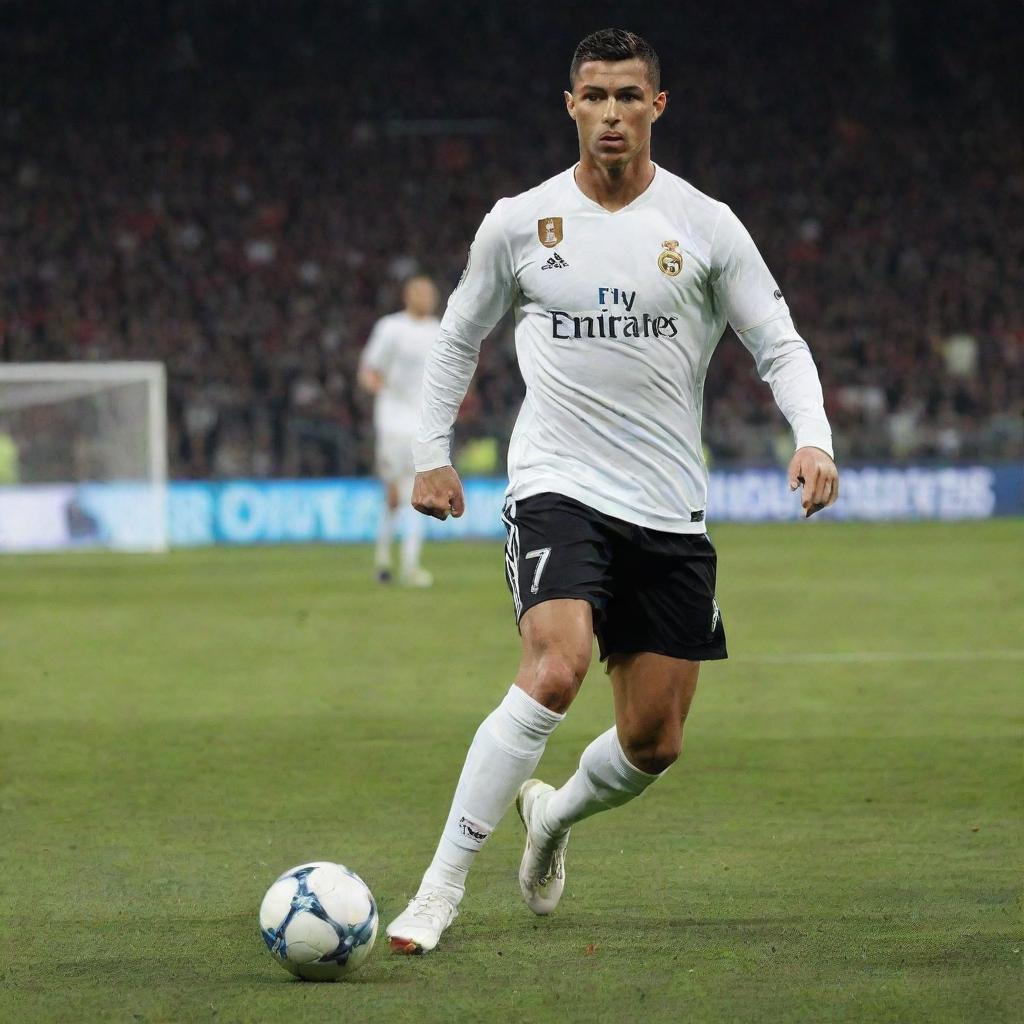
<point x="549" y="231"/>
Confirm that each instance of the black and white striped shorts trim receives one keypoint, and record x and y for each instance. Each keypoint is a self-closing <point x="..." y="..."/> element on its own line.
<point x="508" y="516"/>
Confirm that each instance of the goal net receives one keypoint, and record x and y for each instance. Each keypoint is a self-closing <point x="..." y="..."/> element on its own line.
<point x="83" y="456"/>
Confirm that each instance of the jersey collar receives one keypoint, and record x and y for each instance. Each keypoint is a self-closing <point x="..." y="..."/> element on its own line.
<point x="643" y="198"/>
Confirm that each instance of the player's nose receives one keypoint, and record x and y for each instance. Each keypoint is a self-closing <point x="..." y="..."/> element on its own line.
<point x="611" y="113"/>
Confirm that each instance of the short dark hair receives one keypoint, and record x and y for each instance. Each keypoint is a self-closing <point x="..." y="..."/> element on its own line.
<point x="616" y="44"/>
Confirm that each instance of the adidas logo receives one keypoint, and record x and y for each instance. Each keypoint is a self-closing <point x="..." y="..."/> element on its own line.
<point x="555" y="263"/>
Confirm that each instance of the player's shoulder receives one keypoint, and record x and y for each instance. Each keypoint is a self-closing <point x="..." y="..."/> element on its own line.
<point x="539" y="197"/>
<point x="686" y="192"/>
<point x="699" y="206"/>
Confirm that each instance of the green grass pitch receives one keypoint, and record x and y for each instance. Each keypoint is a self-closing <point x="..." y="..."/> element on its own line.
<point x="841" y="840"/>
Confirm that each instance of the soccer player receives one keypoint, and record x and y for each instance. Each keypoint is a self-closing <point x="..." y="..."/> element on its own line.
<point x="623" y="277"/>
<point x="391" y="368"/>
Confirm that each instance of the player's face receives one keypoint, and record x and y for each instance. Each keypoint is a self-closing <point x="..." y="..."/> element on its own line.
<point x="614" y="105"/>
<point x="421" y="297"/>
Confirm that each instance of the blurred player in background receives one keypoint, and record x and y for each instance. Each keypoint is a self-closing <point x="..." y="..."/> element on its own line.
<point x="391" y="369"/>
<point x="623" y="278"/>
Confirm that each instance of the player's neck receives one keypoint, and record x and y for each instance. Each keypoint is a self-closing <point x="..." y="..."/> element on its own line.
<point x="614" y="187"/>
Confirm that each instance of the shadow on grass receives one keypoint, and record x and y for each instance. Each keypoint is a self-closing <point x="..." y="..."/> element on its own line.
<point x="366" y="977"/>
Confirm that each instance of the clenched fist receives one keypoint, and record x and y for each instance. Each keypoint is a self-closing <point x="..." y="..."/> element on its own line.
<point x="438" y="493"/>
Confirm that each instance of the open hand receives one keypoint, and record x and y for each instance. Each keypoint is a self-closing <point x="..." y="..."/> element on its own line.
<point x="817" y="472"/>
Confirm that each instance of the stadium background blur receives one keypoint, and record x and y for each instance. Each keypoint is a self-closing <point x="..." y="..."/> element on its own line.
<point x="238" y="189"/>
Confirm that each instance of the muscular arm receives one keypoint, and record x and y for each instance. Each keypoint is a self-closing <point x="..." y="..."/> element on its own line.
<point x="759" y="315"/>
<point x="784" y="362"/>
<point x="483" y="295"/>
<point x="450" y="366"/>
<point x="446" y="376"/>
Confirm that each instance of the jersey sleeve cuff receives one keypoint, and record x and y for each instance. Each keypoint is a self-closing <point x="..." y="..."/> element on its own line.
<point x="815" y="438"/>
<point x="430" y="456"/>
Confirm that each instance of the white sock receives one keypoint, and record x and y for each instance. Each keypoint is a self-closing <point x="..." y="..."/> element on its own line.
<point x="503" y="755"/>
<point x="413" y="523"/>
<point x="385" y="532"/>
<point x="604" y="779"/>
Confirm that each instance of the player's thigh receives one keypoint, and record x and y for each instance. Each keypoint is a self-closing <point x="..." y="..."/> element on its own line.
<point x="557" y="568"/>
<point x="557" y="640"/>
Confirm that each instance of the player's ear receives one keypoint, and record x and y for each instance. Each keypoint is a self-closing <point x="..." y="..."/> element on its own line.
<point x="570" y="105"/>
<point x="659" y="104"/>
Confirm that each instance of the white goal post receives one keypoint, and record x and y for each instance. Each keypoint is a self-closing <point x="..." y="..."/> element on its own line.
<point x="83" y="456"/>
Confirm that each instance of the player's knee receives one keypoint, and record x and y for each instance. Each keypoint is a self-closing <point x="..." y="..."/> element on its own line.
<point x="653" y="752"/>
<point x="556" y="678"/>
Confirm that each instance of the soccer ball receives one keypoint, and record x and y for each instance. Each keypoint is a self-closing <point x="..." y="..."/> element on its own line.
<point x="319" y="921"/>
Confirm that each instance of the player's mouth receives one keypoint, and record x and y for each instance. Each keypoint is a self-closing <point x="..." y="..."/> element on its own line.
<point x="612" y="139"/>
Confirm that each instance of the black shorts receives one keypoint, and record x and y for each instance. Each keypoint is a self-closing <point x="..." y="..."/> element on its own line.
<point x="651" y="591"/>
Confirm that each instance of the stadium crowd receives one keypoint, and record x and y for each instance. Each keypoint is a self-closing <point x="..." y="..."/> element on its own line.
<point x="239" y="189"/>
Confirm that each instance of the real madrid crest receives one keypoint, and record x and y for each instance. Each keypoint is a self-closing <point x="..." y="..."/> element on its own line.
<point x="549" y="231"/>
<point x="670" y="259"/>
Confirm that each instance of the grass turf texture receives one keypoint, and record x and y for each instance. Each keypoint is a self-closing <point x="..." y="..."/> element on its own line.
<point x="840" y="841"/>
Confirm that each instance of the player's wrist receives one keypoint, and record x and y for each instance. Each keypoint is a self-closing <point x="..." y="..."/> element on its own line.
<point x="821" y="444"/>
<point x="430" y="457"/>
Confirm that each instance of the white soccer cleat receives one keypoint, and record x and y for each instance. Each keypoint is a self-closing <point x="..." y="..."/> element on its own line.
<point x="417" y="929"/>
<point x="418" y="577"/>
<point x="542" y="869"/>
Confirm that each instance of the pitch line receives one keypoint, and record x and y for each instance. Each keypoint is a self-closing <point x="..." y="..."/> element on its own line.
<point x="867" y="657"/>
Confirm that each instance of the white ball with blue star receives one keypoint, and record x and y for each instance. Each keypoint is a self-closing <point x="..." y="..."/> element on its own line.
<point x="319" y="921"/>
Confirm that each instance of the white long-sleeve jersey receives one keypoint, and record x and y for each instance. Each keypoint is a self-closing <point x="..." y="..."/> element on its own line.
<point x="617" y="316"/>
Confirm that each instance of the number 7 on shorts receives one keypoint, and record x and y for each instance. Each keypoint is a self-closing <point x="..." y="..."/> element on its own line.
<point x="541" y="554"/>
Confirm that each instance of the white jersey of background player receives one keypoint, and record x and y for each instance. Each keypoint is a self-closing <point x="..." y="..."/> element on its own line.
<point x="622" y="278"/>
<point x="391" y="369"/>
